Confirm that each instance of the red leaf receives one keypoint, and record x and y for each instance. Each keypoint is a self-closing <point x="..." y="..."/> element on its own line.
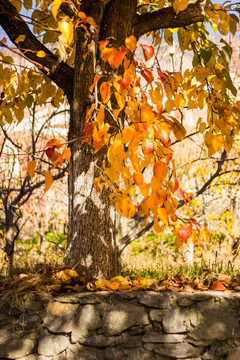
<point x="185" y="232"/>
<point x="52" y="153"/>
<point x="181" y="192"/>
<point x="161" y="75"/>
<point x="148" y="51"/>
<point x="148" y="76"/>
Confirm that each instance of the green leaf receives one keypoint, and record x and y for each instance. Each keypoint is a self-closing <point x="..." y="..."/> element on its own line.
<point x="206" y="54"/>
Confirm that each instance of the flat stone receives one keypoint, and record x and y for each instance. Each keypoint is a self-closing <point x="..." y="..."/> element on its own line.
<point x="83" y="298"/>
<point x="7" y="309"/>
<point x="99" y="341"/>
<point x="59" y="317"/>
<point x="234" y="354"/>
<point x="138" y="354"/>
<point x="87" y="318"/>
<point x="31" y="357"/>
<point x="218" y="322"/>
<point x="178" y="351"/>
<point x="84" y="353"/>
<point x="117" y="318"/>
<point x="113" y="354"/>
<point x="126" y="340"/>
<point x="157" y="300"/>
<point x="50" y="345"/>
<point x="184" y="301"/>
<point x="156" y="315"/>
<point x="27" y="321"/>
<point x="163" y="338"/>
<point x="16" y="347"/>
<point x="175" y="320"/>
<point x="216" y="351"/>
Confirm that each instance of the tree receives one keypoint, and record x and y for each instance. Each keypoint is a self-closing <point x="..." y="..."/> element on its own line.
<point x="20" y="149"/>
<point x="118" y="126"/>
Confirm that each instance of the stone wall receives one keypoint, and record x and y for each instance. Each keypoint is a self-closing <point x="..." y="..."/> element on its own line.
<point x="129" y="326"/>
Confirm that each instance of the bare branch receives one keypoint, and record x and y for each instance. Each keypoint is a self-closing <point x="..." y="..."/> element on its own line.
<point x="167" y="18"/>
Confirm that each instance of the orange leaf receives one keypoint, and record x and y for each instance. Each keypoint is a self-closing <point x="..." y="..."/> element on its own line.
<point x="138" y="178"/>
<point x="160" y="170"/>
<point x="95" y="80"/>
<point x="147" y="146"/>
<point x="105" y="91"/>
<point x="58" y="161"/>
<point x="148" y="51"/>
<point x="131" y="43"/>
<point x="144" y="188"/>
<point x="118" y="58"/>
<point x="185" y="232"/>
<point x="174" y="217"/>
<point x="31" y="167"/>
<point x="54" y="143"/>
<point x="48" y="180"/>
<point x="67" y="154"/>
<point x="162" y="131"/>
<point x="218" y="286"/>
<point x="146" y="115"/>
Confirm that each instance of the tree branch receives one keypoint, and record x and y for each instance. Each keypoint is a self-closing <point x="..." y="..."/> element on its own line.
<point x="14" y="25"/>
<point x="167" y="18"/>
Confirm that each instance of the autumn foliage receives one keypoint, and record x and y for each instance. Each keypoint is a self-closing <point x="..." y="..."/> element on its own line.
<point x="136" y="112"/>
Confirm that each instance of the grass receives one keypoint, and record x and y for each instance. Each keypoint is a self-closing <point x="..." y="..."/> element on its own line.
<point x="148" y="256"/>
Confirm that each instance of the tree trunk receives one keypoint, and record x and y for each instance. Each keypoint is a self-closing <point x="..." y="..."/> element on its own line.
<point x="9" y="241"/>
<point x="92" y="247"/>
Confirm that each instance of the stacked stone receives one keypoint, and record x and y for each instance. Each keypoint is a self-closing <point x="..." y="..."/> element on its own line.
<point x="122" y="326"/>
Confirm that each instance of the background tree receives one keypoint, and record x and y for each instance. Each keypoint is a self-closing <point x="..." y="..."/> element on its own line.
<point x="117" y="129"/>
<point x="21" y="148"/>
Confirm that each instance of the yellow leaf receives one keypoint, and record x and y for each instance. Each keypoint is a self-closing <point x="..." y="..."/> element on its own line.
<point x="41" y="54"/>
<point x="162" y="215"/>
<point x="55" y="6"/>
<point x="48" y="180"/>
<point x="17" y="4"/>
<point x="223" y="27"/>
<point x="169" y="105"/>
<point x="28" y="4"/>
<point x="66" y="29"/>
<point x="67" y="154"/>
<point x="31" y="167"/>
<point x="214" y="143"/>
<point x="180" y="5"/>
<point x="102" y="283"/>
<point x="120" y="100"/>
<point x="202" y="127"/>
<point x="204" y="234"/>
<point x="144" y="188"/>
<point x="184" y="38"/>
<point x="20" y="38"/>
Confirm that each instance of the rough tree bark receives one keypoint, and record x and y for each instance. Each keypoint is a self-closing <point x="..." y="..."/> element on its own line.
<point x="92" y="247"/>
